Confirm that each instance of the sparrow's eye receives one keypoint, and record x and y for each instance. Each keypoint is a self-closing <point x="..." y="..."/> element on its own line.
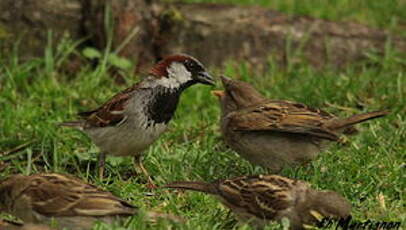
<point x="189" y="64"/>
<point x="192" y="66"/>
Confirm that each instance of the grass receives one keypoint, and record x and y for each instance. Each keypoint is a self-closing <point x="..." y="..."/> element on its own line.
<point x="369" y="170"/>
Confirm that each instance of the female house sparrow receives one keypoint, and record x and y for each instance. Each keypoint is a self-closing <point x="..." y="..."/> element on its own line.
<point x="133" y="119"/>
<point x="264" y="198"/>
<point x="74" y="204"/>
<point x="276" y="133"/>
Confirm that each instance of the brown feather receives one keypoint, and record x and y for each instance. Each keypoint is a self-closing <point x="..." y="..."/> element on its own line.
<point x="260" y="196"/>
<point x="63" y="195"/>
<point x="111" y="112"/>
<point x="357" y="118"/>
<point x="160" y="69"/>
<point x="9" y="225"/>
<point x="276" y="133"/>
<point x="283" y="116"/>
<point x="193" y="185"/>
<point x="263" y="198"/>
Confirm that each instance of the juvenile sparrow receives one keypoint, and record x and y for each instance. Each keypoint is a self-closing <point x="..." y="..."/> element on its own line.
<point x="133" y="119"/>
<point x="277" y="133"/>
<point x="9" y="225"/>
<point x="72" y="203"/>
<point x="264" y="198"/>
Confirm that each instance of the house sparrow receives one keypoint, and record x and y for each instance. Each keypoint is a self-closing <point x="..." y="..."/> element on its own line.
<point x="72" y="203"/>
<point x="133" y="119"/>
<point x="264" y="198"/>
<point x="9" y="225"/>
<point x="277" y="133"/>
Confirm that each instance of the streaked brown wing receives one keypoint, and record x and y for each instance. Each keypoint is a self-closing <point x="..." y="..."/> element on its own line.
<point x="262" y="196"/>
<point x="111" y="112"/>
<point x="283" y="116"/>
<point x="272" y="194"/>
<point x="60" y="195"/>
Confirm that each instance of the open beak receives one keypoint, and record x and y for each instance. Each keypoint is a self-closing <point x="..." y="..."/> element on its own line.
<point x="205" y="78"/>
<point x="218" y="93"/>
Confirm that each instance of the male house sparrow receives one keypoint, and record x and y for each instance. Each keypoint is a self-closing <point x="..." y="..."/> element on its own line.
<point x="133" y="119"/>
<point x="72" y="203"/>
<point x="264" y="198"/>
<point x="277" y="133"/>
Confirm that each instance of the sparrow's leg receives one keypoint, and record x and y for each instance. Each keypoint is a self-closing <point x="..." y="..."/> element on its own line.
<point x="138" y="165"/>
<point x="101" y="163"/>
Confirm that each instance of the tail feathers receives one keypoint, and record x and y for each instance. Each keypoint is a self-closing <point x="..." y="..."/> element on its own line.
<point x="193" y="185"/>
<point x="74" y="124"/>
<point x="358" y="118"/>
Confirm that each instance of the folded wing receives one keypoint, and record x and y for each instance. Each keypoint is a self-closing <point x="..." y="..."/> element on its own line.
<point x="282" y="116"/>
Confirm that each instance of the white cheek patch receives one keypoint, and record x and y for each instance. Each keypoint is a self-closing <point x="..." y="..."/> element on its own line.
<point x="177" y="75"/>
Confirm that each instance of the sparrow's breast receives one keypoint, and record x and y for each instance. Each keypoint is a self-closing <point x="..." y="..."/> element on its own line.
<point x="269" y="149"/>
<point x="147" y="115"/>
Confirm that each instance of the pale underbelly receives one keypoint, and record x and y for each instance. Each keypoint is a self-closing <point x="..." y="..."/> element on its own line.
<point x="273" y="150"/>
<point x="124" y="141"/>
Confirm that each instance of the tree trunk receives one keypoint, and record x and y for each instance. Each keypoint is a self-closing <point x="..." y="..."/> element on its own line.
<point x="27" y="23"/>
<point x="214" y="33"/>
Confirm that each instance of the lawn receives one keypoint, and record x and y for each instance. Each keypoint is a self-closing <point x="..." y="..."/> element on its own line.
<point x="369" y="169"/>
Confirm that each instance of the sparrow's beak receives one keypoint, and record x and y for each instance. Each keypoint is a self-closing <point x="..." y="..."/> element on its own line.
<point x="225" y="80"/>
<point x="218" y="93"/>
<point x="205" y="78"/>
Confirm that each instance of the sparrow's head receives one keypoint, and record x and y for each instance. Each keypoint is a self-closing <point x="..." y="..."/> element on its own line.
<point x="237" y="95"/>
<point x="326" y="204"/>
<point x="180" y="70"/>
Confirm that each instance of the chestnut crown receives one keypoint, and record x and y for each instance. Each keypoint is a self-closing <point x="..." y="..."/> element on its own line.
<point x="181" y="69"/>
